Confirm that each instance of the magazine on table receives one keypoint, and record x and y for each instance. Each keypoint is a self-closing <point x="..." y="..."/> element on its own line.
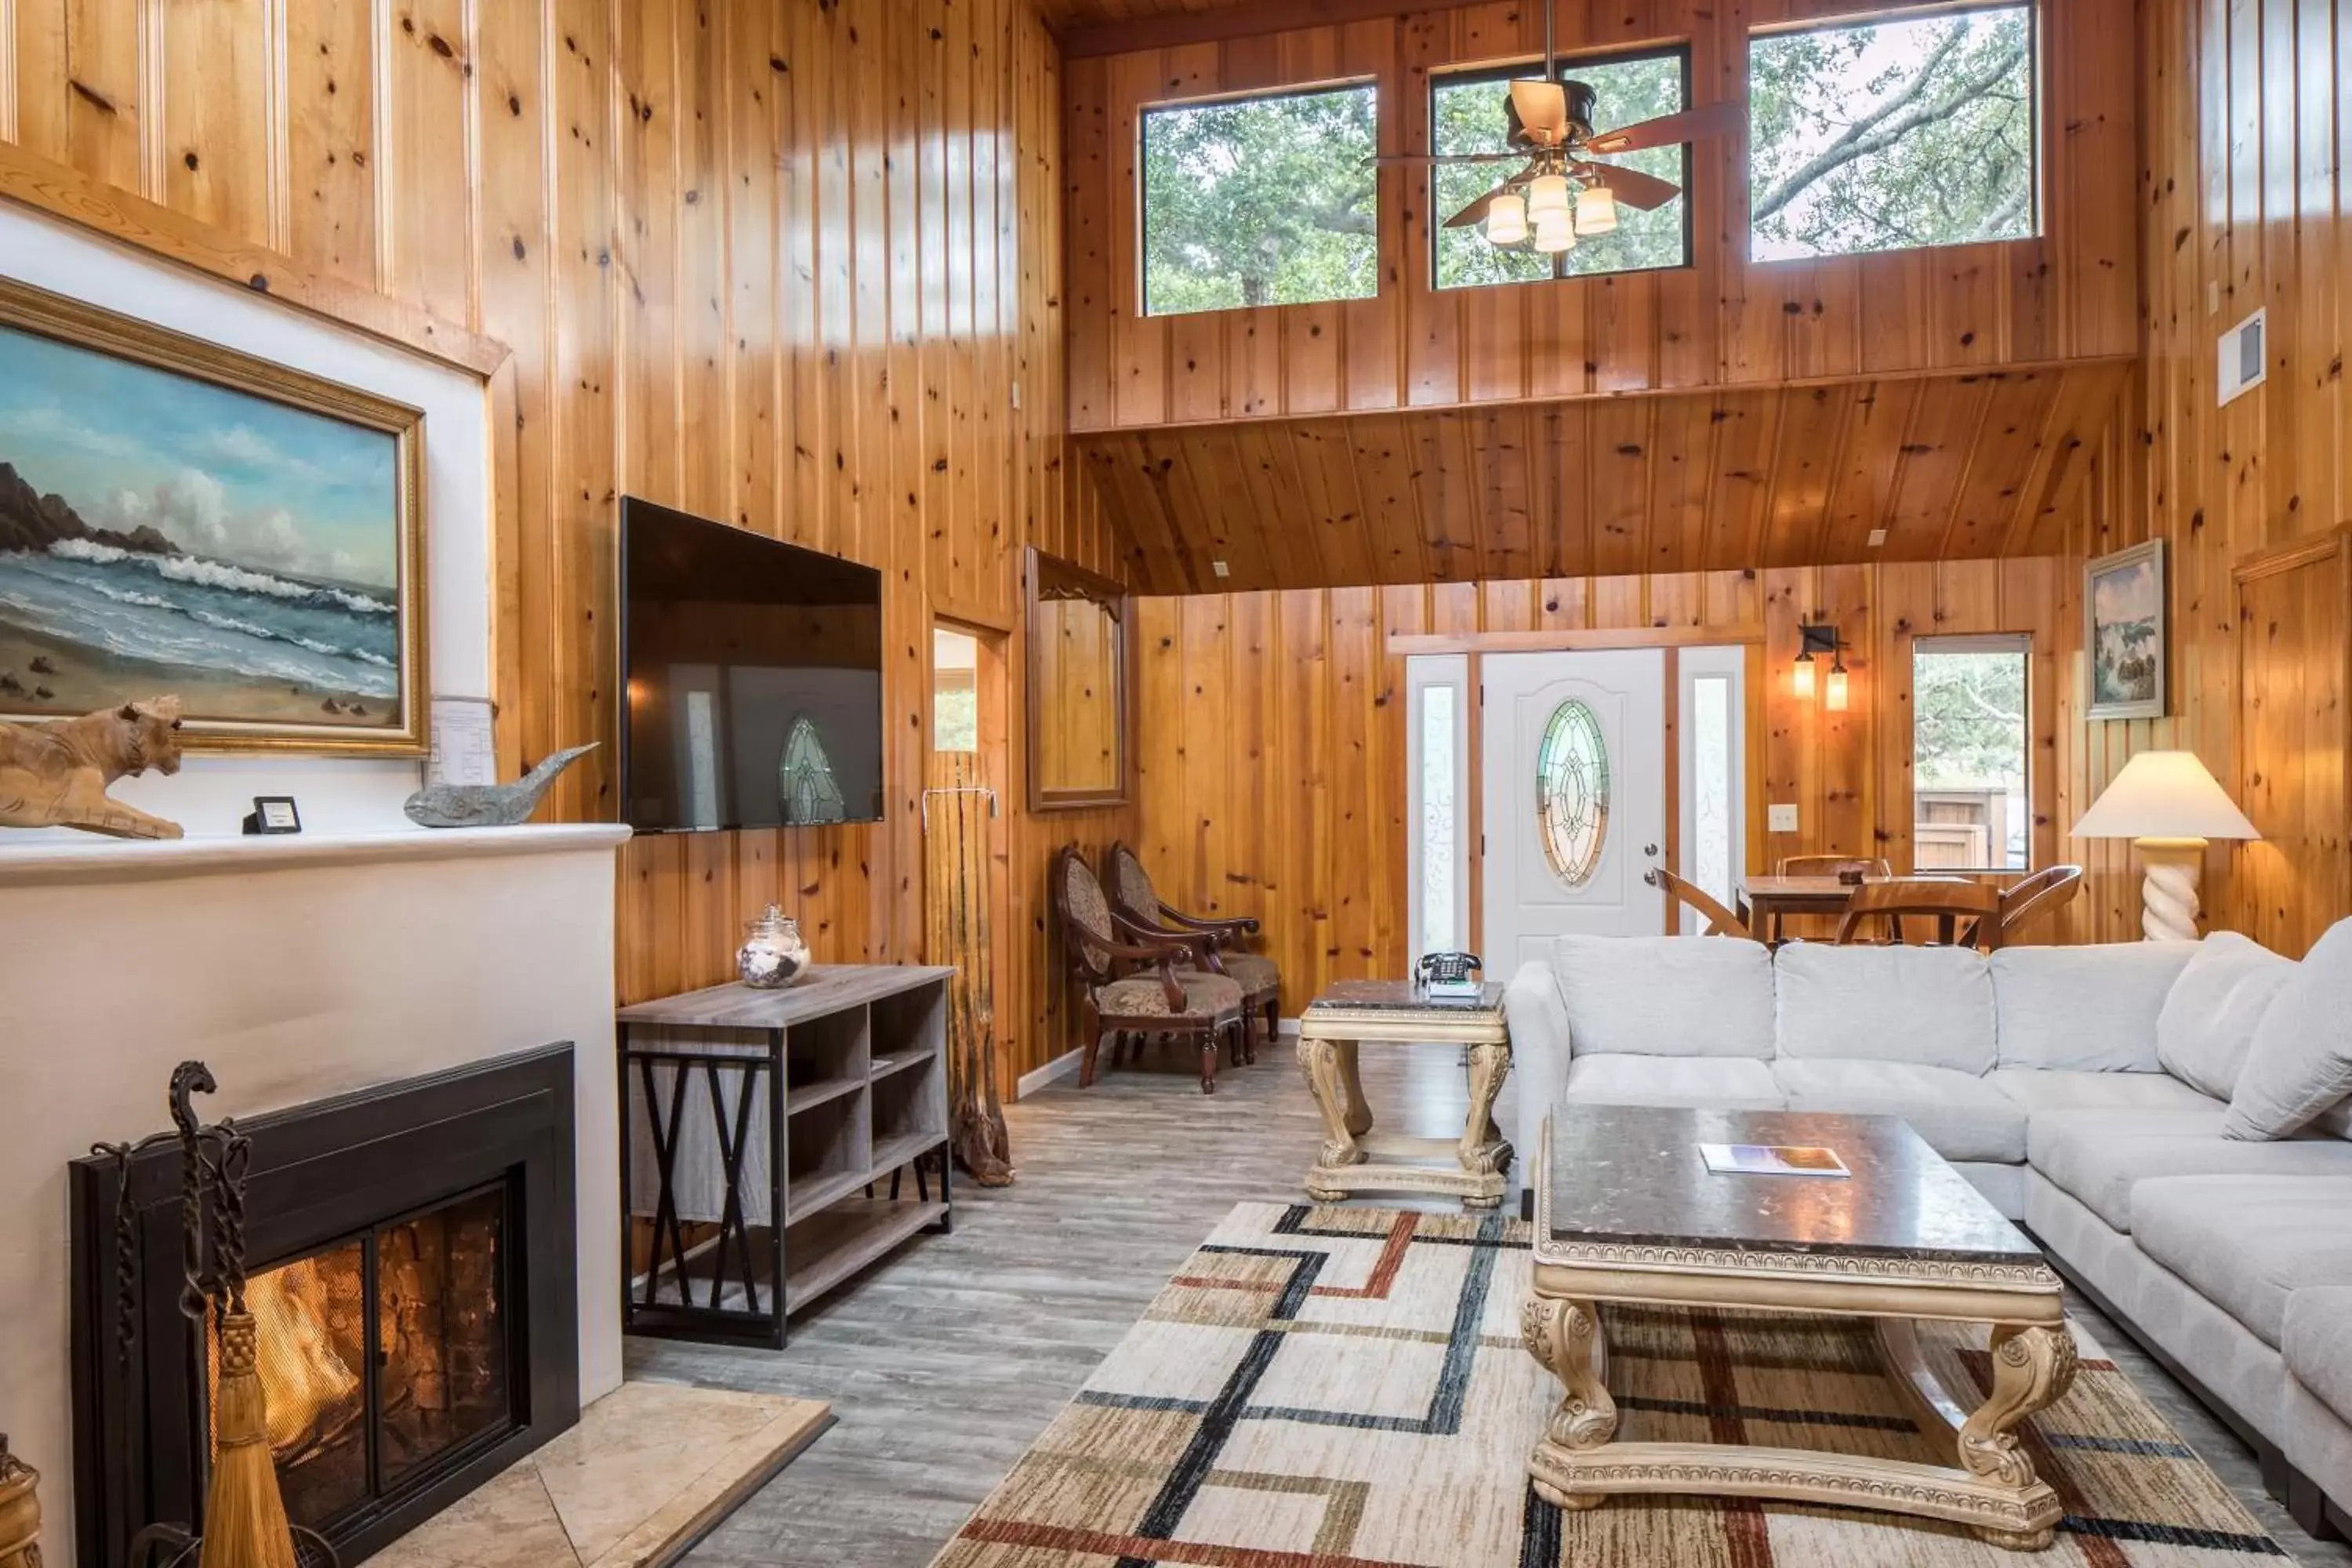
<point x="1772" y="1160"/>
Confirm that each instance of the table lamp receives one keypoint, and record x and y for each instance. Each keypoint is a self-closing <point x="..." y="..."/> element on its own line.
<point x="2168" y="805"/>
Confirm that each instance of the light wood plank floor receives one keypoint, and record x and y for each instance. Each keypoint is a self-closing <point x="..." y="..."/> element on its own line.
<point x="944" y="1362"/>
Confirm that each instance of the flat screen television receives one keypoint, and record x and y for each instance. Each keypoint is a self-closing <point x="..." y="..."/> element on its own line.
<point x="753" y="679"/>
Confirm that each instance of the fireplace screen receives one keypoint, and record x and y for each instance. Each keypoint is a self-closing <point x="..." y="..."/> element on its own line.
<point x="426" y="1294"/>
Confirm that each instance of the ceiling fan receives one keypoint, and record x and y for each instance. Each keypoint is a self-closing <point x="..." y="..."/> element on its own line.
<point x="1559" y="192"/>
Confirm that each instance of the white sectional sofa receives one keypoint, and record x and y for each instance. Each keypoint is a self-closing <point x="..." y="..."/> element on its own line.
<point x="2084" y="1090"/>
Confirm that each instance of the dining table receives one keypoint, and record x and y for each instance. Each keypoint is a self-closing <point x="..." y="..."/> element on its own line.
<point x="1763" y="900"/>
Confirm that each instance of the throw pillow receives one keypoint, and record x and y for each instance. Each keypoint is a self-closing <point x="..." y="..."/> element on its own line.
<point x="2208" y="1023"/>
<point x="2301" y="1066"/>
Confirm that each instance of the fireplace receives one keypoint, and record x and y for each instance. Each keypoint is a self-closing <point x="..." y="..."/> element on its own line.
<point x="413" y="1282"/>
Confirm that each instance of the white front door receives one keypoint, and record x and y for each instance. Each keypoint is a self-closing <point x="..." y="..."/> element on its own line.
<point x="1574" y="799"/>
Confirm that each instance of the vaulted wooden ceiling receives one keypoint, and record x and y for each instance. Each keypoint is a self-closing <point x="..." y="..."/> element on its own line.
<point x="1950" y="466"/>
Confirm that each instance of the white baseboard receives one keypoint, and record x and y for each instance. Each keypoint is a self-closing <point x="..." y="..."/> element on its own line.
<point x="1061" y="1067"/>
<point x="1286" y="1027"/>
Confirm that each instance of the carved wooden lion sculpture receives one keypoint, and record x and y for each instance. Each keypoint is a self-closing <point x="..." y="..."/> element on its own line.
<point x="57" y="774"/>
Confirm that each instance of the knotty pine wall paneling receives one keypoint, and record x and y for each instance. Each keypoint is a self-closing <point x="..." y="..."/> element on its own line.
<point x="2246" y="137"/>
<point x="2069" y="293"/>
<point x="1272" y="749"/>
<point x="787" y="265"/>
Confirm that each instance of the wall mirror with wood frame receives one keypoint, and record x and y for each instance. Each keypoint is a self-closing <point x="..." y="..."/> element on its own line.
<point x="1079" y="706"/>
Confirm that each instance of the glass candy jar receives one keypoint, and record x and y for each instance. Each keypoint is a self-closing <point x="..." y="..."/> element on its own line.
<point x="773" y="955"/>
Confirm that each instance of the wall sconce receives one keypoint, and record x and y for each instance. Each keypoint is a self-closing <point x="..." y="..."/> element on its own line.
<point x="1820" y="639"/>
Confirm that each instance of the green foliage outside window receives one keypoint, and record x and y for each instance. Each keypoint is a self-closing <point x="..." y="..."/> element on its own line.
<point x="1468" y="117"/>
<point x="1894" y="135"/>
<point x="1259" y="201"/>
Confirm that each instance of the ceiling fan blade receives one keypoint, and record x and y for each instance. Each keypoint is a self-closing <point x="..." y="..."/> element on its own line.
<point x="1631" y="187"/>
<point x="1475" y="211"/>
<point x="1541" y="108"/>
<point x="1667" y="129"/>
<point x="1388" y="160"/>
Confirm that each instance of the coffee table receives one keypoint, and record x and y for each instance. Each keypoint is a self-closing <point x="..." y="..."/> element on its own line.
<point x="1626" y="1211"/>
<point x="1355" y="1159"/>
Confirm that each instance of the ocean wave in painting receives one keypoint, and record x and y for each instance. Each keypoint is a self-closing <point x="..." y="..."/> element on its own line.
<point x="207" y="614"/>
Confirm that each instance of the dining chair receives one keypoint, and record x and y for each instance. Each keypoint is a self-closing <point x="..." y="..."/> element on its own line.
<point x="1720" y="921"/>
<point x="2030" y="897"/>
<point x="1830" y="866"/>
<point x="1135" y="990"/>
<point x="1949" y="903"/>
<point x="1216" y="942"/>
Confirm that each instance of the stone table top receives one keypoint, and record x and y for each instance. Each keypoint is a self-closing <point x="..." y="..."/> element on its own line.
<point x="1634" y="1175"/>
<point x="1402" y="996"/>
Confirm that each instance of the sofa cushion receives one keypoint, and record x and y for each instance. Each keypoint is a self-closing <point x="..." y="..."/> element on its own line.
<point x="2084" y="1009"/>
<point x="2300" y="1063"/>
<point x="2097" y="1157"/>
<point x="2045" y="1092"/>
<point x="2207" y="1026"/>
<point x="1665" y="996"/>
<point x="1931" y="1007"/>
<point x="1961" y="1116"/>
<point x="2318" y="1345"/>
<point x="2244" y="1243"/>
<point x="1704" y="1083"/>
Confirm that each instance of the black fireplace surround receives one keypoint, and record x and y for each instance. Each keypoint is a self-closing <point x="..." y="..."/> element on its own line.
<point x="464" y="1178"/>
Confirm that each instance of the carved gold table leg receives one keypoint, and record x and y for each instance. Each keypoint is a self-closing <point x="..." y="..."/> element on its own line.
<point x="1359" y="1114"/>
<point x="1483" y="1152"/>
<point x="1326" y="1064"/>
<point x="2031" y="1367"/>
<point x="1566" y="1336"/>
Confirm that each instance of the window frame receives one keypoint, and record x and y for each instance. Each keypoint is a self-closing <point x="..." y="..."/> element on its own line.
<point x="1564" y="70"/>
<point x="1140" y="185"/>
<point x="2022" y="645"/>
<point x="2039" y="108"/>
<point x="1421" y="672"/>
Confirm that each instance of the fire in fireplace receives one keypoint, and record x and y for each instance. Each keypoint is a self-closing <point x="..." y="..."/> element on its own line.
<point x="433" y="1312"/>
<point x="413" y="1290"/>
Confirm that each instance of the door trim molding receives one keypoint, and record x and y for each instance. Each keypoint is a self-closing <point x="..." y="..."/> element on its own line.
<point x="1566" y="640"/>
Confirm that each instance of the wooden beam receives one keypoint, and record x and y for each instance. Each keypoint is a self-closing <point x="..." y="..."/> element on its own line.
<point x="118" y="215"/>
<point x="1172" y="29"/>
<point x="1572" y="640"/>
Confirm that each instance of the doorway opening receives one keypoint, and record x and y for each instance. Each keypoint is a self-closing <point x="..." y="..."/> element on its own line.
<point x="964" y="852"/>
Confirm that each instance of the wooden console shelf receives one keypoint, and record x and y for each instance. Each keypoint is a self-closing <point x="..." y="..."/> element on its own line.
<point x="768" y="1140"/>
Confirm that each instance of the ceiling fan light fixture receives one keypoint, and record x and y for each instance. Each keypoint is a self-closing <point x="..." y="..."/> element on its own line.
<point x="1507" y="219"/>
<point x="1547" y="194"/>
<point x="1596" y="210"/>
<point x="1555" y="232"/>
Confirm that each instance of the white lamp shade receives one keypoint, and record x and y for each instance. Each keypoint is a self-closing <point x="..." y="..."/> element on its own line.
<point x="1507" y="219"/>
<point x="1547" y="194"/>
<point x="1596" y="210"/>
<point x="2164" y="794"/>
<point x="1555" y="232"/>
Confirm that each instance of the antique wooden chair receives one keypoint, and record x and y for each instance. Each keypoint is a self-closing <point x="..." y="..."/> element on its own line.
<point x="1720" y="921"/>
<point x="2030" y="897"/>
<point x="1949" y="903"/>
<point x="1832" y="866"/>
<point x="1215" y="942"/>
<point x="1134" y="990"/>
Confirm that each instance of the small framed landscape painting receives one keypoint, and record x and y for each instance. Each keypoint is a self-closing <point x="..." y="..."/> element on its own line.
<point x="2124" y="632"/>
<point x="177" y="517"/>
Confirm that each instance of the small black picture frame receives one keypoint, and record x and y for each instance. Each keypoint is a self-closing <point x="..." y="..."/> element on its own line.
<point x="274" y="813"/>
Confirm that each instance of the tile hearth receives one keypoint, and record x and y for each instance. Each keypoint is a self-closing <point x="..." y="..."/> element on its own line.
<point x="648" y="1470"/>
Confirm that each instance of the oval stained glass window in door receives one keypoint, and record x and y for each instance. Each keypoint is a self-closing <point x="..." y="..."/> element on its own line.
<point x="1573" y="792"/>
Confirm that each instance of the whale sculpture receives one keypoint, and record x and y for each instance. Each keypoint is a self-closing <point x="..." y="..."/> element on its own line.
<point x="489" y="806"/>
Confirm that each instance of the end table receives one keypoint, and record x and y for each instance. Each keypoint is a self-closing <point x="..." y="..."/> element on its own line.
<point x="1354" y="1158"/>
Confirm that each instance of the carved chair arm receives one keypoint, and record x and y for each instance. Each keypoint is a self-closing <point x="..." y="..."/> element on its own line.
<point x="1202" y="951"/>
<point x="1235" y="926"/>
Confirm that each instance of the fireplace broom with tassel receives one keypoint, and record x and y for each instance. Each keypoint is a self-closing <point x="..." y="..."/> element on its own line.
<point x="244" y="1514"/>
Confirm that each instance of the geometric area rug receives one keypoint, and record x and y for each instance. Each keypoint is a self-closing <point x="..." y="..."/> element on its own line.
<point x="1345" y="1388"/>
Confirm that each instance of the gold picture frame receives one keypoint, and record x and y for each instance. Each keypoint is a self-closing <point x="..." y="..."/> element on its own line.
<point x="297" y="634"/>
<point x="2126" y="634"/>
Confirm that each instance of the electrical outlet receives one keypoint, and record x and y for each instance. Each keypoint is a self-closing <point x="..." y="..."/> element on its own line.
<point x="1780" y="818"/>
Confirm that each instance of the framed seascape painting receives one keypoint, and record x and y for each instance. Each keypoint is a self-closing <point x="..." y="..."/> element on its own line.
<point x="2124" y="632"/>
<point x="179" y="518"/>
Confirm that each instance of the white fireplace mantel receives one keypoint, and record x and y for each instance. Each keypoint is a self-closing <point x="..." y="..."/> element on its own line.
<point x="297" y="968"/>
